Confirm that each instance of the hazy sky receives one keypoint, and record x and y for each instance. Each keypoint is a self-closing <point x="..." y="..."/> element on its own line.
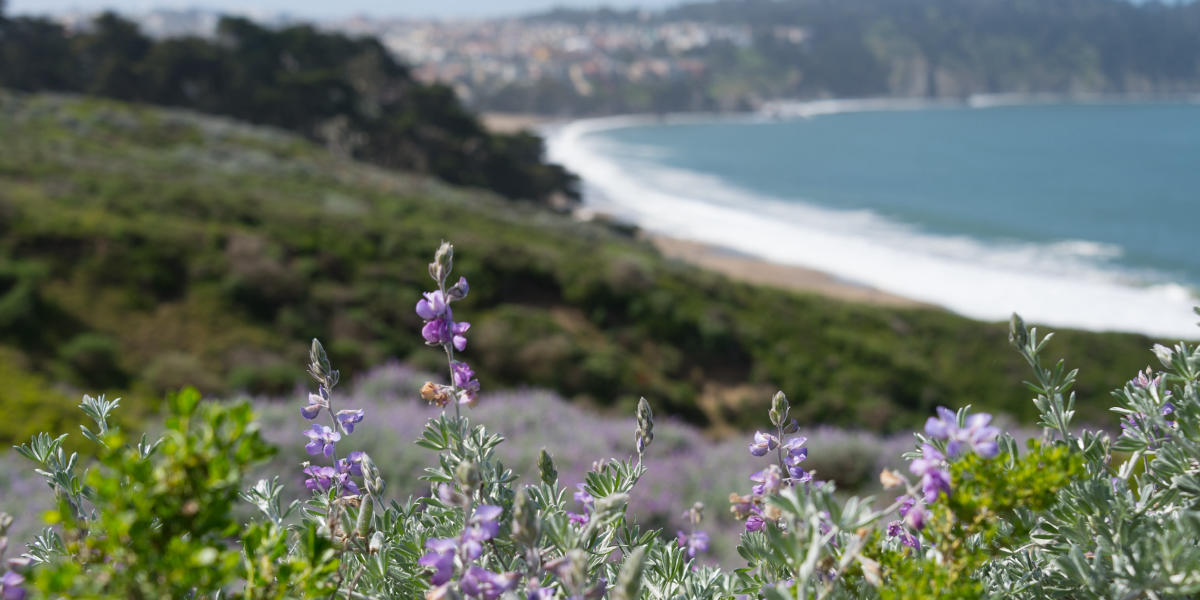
<point x="334" y="8"/>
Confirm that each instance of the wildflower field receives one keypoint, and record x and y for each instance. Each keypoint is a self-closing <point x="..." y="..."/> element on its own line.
<point x="203" y="508"/>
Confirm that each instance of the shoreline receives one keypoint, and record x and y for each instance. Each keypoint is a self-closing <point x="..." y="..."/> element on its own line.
<point x="859" y="255"/>
<point x="751" y="269"/>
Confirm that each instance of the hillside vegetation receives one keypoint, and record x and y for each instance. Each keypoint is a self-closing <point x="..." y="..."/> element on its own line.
<point x="143" y="249"/>
<point x="345" y="92"/>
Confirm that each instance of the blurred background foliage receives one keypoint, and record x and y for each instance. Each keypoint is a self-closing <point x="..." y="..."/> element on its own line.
<point x="347" y="93"/>
<point x="142" y="249"/>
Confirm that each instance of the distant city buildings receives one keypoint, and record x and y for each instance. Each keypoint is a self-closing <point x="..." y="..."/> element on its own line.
<point x="479" y="57"/>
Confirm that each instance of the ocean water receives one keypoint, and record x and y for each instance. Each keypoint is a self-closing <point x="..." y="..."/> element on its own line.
<point x="1079" y="215"/>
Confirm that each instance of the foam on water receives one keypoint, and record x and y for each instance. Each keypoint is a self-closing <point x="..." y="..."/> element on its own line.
<point x="1071" y="283"/>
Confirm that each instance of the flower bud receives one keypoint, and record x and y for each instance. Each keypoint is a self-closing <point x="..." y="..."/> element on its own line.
<point x="371" y="477"/>
<point x="629" y="580"/>
<point x="366" y="510"/>
<point x="376" y="543"/>
<point x="443" y="262"/>
<point x="1165" y="355"/>
<point x="779" y="409"/>
<point x="610" y="506"/>
<point x="459" y="290"/>
<point x="319" y="368"/>
<point x="546" y="470"/>
<point x="6" y="521"/>
<point x="468" y="476"/>
<point x="645" y="426"/>
<point x="1018" y="335"/>
<point x="525" y="523"/>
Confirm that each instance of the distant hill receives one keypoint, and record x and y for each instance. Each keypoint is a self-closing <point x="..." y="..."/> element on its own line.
<point x="144" y="249"/>
<point x="912" y="48"/>
<point x="347" y="93"/>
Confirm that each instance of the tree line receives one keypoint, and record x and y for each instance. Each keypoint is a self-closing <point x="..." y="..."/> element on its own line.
<point x="347" y="93"/>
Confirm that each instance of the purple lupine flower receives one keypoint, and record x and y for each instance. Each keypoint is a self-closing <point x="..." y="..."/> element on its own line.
<point x="980" y="436"/>
<point x="436" y="332"/>
<point x="755" y="523"/>
<point x="445" y="330"/>
<point x="795" y="454"/>
<point x="1146" y="379"/>
<point x="320" y="479"/>
<point x="464" y="380"/>
<point x="459" y="290"/>
<point x="352" y="464"/>
<point x="315" y="404"/>
<point x="696" y="543"/>
<point x="906" y="503"/>
<point x="440" y="558"/>
<point x="943" y="426"/>
<point x="321" y="440"/>
<point x="915" y="517"/>
<point x="911" y="541"/>
<point x="483" y="524"/>
<point x="763" y="443"/>
<point x="458" y="334"/>
<point x="977" y="435"/>
<point x="795" y="451"/>
<point x="894" y="528"/>
<point x="12" y="586"/>
<point x="767" y="481"/>
<point x="478" y="582"/>
<point x="349" y="418"/>
<point x="934" y="477"/>
<point x="432" y="306"/>
<point x="582" y="496"/>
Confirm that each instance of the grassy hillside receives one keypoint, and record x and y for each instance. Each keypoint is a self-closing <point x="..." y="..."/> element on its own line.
<point x="142" y="249"/>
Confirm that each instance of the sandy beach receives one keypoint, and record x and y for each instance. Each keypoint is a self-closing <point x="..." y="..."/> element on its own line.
<point x="513" y="122"/>
<point x="741" y="267"/>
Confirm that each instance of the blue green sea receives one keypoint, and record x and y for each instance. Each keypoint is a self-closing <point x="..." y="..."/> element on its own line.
<point x="1075" y="215"/>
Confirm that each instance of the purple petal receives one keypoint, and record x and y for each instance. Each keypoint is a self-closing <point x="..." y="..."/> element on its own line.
<point x="987" y="449"/>
<point x="488" y="512"/>
<point x="425" y="311"/>
<point x="936" y="428"/>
